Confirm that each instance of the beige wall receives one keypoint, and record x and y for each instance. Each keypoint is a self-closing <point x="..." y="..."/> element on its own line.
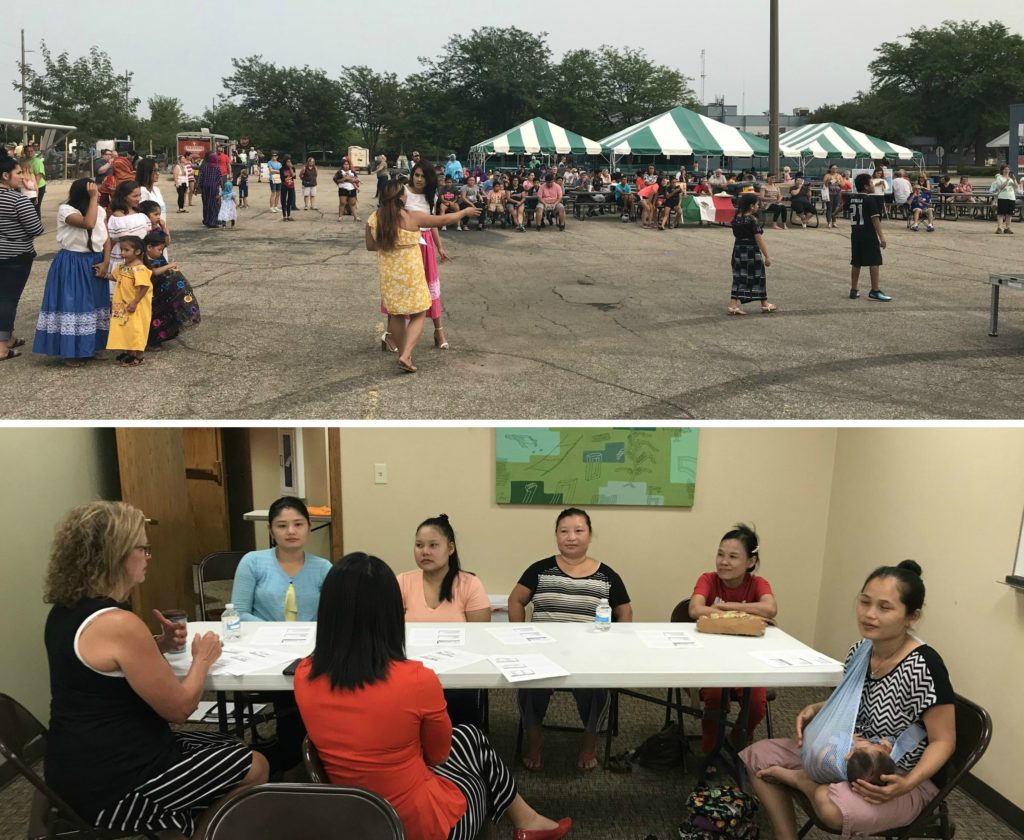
<point x="778" y="479"/>
<point x="266" y="479"/>
<point x="950" y="499"/>
<point x="46" y="472"/>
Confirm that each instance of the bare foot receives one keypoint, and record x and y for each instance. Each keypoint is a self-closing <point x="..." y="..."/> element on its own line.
<point x="777" y="775"/>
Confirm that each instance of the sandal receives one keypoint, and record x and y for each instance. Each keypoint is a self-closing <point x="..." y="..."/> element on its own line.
<point x="11" y="354"/>
<point x="735" y="310"/>
<point x="15" y="343"/>
<point x="586" y="762"/>
<point x="440" y="342"/>
<point x="406" y="367"/>
<point x="130" y="361"/>
<point x="769" y="307"/>
<point x="387" y="344"/>
<point x="74" y="363"/>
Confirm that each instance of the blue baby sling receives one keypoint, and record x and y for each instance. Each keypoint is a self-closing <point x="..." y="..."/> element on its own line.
<point x="828" y="738"/>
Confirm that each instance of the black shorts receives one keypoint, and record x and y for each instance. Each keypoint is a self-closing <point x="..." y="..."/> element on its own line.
<point x="865" y="251"/>
<point x="1005" y="206"/>
<point x="347" y="193"/>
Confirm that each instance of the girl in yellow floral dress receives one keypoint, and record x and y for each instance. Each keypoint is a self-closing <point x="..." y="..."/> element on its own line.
<point x="394" y="233"/>
<point x="131" y="309"/>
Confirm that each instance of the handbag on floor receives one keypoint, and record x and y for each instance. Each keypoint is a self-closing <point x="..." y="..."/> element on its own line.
<point x="720" y="812"/>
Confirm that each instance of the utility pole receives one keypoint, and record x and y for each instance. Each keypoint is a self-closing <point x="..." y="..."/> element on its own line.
<point x="773" y="90"/>
<point x="24" y="103"/>
<point x="703" y="75"/>
<point x="127" y="91"/>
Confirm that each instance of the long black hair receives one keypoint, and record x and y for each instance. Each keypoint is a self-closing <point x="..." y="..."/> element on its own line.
<point x="78" y="197"/>
<point x="145" y="172"/>
<point x="442" y="524"/>
<point x="360" y="626"/>
<point x="119" y="200"/>
<point x="430" y="179"/>
<point x="908" y="580"/>
<point x="8" y="164"/>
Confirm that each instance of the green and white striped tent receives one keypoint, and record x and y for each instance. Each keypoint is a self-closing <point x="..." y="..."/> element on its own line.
<point x="831" y="140"/>
<point x="684" y="132"/>
<point x="537" y="136"/>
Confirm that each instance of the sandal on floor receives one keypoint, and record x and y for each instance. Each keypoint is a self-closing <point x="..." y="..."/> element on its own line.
<point x="407" y="368"/>
<point x="15" y="343"/>
<point x="534" y="762"/>
<point x="387" y="344"/>
<point x="735" y="310"/>
<point x="769" y="307"/>
<point x="440" y="341"/>
<point x="11" y="354"/>
<point x="586" y="762"/>
<point x="131" y="361"/>
<point x="74" y="363"/>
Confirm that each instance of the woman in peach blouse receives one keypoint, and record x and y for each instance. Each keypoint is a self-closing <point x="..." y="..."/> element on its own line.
<point x="438" y="590"/>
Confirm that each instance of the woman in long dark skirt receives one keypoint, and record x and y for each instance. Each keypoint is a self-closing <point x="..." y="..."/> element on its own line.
<point x="749" y="258"/>
<point x="209" y="183"/>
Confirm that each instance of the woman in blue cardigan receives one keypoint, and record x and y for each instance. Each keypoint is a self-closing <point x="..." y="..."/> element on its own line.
<point x="282" y="583"/>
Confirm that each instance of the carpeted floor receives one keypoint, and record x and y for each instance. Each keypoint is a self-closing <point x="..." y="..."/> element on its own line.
<point x="604" y="805"/>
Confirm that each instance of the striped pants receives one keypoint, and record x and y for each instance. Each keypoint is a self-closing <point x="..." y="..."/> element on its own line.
<point x="211" y="765"/>
<point x="484" y="779"/>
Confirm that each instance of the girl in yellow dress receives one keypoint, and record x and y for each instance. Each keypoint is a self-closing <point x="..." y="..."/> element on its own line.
<point x="131" y="309"/>
<point x="394" y="233"/>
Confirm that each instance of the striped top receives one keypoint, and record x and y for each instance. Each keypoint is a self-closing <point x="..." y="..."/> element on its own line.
<point x="891" y="703"/>
<point x="559" y="597"/>
<point x="19" y="225"/>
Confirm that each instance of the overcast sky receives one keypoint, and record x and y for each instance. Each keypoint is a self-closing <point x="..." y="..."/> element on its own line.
<point x="824" y="58"/>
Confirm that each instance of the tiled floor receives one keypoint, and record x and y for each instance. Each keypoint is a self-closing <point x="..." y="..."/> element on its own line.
<point x="604" y="805"/>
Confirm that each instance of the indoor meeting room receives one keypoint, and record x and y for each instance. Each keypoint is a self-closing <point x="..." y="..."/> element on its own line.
<point x="606" y="618"/>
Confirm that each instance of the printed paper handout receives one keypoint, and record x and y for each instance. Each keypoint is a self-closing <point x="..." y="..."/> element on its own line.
<point x="668" y="639"/>
<point x="524" y="667"/>
<point x="282" y="634"/>
<point x="520" y="634"/>
<point x="794" y="658"/>
<point x="435" y="637"/>
<point x="446" y="659"/>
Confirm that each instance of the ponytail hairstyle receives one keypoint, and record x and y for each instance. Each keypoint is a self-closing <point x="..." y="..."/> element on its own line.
<point x="442" y="524"/>
<point x="745" y="203"/>
<point x="78" y="197"/>
<point x="389" y="214"/>
<point x="747" y="537"/>
<point x="909" y="583"/>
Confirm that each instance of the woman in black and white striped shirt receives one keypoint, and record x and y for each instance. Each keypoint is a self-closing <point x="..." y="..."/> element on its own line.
<point x="906" y="683"/>
<point x="19" y="226"/>
<point x="567" y="587"/>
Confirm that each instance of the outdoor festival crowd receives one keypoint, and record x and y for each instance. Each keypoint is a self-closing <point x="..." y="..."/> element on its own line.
<point x="113" y="287"/>
<point x="381" y="721"/>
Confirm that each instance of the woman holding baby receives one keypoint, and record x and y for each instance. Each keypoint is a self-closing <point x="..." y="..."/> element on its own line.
<point x="905" y="683"/>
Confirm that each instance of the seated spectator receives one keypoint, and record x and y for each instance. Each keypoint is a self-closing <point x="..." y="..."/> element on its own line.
<point x="624" y="197"/>
<point x="549" y="200"/>
<point x="447" y="199"/>
<point x="964" y="186"/>
<point x="471" y="195"/>
<point x="921" y="205"/>
<point x="946" y="185"/>
<point x="651" y="175"/>
<point x="702" y="187"/>
<point x="515" y="203"/>
<point x="378" y="719"/>
<point x="718" y="181"/>
<point x="771" y="198"/>
<point x="111" y="753"/>
<point x="571" y="178"/>
<point x="901" y="189"/>
<point x="800" y="200"/>
<point x="787" y="175"/>
<point x="496" y="202"/>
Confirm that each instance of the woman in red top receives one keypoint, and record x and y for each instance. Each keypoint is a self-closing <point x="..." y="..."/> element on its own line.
<point x="379" y="722"/>
<point x="733" y="586"/>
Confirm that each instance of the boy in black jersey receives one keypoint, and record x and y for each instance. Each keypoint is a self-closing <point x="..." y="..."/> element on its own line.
<point x="866" y="237"/>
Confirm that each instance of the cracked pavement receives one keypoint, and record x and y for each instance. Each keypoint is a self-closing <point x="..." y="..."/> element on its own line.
<point x="603" y="321"/>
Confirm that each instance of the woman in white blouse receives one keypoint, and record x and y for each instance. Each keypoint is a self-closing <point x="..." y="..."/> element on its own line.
<point x="75" y="315"/>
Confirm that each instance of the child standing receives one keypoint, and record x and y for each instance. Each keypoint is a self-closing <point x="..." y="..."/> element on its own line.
<point x="131" y="309"/>
<point x="749" y="258"/>
<point x="866" y="237"/>
<point x="733" y="586"/>
<point x="175" y="307"/>
<point x="29" y="186"/>
<point x="228" y="211"/>
<point x="243" y="188"/>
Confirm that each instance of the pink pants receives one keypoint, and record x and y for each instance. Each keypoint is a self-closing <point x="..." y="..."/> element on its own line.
<point x="859" y="815"/>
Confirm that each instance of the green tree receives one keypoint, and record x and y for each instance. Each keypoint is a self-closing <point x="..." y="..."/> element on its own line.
<point x="166" y="118"/>
<point x="633" y="88"/>
<point x="572" y="99"/>
<point x="373" y="103"/>
<point x="289" y="108"/>
<point x="884" y="113"/>
<point x="961" y="76"/>
<point x="86" y="92"/>
<point x="227" y="118"/>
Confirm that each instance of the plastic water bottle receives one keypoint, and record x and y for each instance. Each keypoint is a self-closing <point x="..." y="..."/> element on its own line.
<point x="603" y="615"/>
<point x="231" y="624"/>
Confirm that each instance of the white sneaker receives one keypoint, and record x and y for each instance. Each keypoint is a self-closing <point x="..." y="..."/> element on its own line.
<point x="444" y="227"/>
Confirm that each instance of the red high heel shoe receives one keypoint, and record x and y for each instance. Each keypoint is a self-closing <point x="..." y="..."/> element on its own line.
<point x="563" y="827"/>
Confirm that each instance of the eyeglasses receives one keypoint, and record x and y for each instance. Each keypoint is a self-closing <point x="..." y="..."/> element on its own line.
<point x="146" y="549"/>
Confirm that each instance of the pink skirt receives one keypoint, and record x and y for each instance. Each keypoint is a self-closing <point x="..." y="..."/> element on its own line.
<point x="859" y="815"/>
<point x="429" y="254"/>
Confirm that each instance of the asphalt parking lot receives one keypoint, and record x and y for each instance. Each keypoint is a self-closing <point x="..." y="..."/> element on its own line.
<point x="602" y="321"/>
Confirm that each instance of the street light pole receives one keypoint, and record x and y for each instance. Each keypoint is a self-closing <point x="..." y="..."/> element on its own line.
<point x="773" y="90"/>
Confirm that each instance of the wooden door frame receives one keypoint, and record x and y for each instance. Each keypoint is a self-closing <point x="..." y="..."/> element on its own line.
<point x="334" y="488"/>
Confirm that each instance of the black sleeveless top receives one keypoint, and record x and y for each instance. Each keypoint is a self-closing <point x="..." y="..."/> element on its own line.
<point x="104" y="740"/>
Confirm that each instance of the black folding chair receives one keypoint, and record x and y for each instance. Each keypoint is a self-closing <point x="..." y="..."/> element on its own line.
<point x="22" y="744"/>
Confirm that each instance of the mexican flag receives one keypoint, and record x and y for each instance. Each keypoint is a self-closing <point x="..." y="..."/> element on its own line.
<point x="707" y="208"/>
